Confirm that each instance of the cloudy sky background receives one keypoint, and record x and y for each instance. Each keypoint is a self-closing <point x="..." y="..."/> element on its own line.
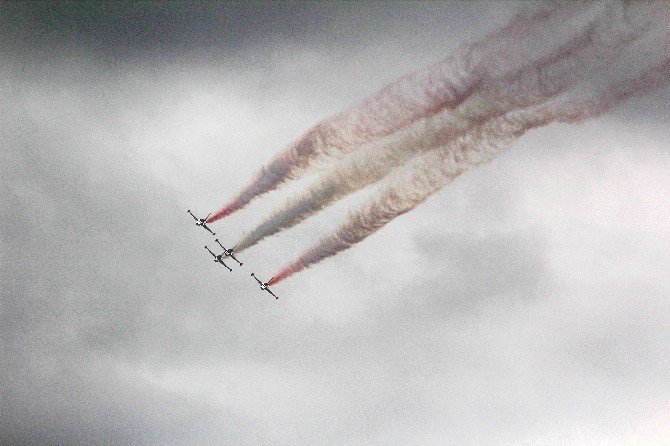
<point x="525" y="304"/>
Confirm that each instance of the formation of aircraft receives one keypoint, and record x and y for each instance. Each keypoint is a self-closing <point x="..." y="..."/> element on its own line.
<point x="218" y="258"/>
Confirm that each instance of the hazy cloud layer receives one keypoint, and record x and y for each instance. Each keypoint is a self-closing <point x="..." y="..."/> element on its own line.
<point x="525" y="304"/>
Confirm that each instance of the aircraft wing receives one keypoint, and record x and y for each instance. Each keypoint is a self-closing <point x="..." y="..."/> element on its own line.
<point x="259" y="282"/>
<point x="268" y="290"/>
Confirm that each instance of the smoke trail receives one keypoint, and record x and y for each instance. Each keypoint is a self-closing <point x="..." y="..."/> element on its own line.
<point x="593" y="53"/>
<point x="441" y="167"/>
<point x="360" y="170"/>
<point x="443" y="85"/>
<point x="371" y="163"/>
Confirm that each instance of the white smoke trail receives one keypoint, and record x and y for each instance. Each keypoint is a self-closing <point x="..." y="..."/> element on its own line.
<point x="376" y="160"/>
<point x="645" y="66"/>
<point x="592" y="52"/>
<point x="528" y="36"/>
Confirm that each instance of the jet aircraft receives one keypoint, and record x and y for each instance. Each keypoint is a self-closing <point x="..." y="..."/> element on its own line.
<point x="264" y="285"/>
<point x="201" y="221"/>
<point x="218" y="258"/>
<point x="228" y="252"/>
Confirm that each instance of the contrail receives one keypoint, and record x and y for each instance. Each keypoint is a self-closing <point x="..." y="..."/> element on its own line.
<point x="643" y="67"/>
<point x="443" y="85"/>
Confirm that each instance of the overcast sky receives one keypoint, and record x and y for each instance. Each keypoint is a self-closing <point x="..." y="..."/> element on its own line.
<point x="527" y="303"/>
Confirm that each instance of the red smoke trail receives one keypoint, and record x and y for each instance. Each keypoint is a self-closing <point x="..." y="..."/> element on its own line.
<point x="442" y="167"/>
<point x="443" y="85"/>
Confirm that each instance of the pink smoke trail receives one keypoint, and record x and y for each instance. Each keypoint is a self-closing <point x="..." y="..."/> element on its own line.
<point x="442" y="167"/>
<point x="582" y="64"/>
<point x="532" y="85"/>
<point x="443" y="85"/>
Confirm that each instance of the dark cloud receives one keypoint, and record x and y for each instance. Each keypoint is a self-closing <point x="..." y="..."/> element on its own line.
<point x="163" y="31"/>
<point x="123" y="29"/>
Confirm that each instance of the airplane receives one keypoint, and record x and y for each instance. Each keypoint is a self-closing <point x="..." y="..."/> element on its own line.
<point x="228" y="252"/>
<point x="201" y="221"/>
<point x="218" y="259"/>
<point x="264" y="285"/>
